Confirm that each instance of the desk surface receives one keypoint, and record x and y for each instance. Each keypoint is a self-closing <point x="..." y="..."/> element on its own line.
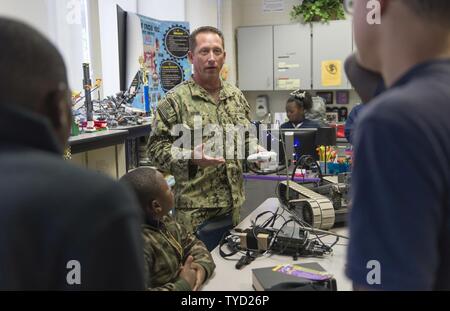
<point x="131" y="127"/>
<point x="119" y="131"/>
<point x="135" y="131"/>
<point x="101" y="139"/>
<point x="96" y="136"/>
<point x="228" y="278"/>
<point x="273" y="177"/>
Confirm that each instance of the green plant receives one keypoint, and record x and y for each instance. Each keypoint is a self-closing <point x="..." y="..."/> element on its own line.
<point x="318" y="10"/>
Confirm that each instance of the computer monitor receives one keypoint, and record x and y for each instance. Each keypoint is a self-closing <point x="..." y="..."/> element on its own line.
<point x="326" y="136"/>
<point x="297" y="142"/>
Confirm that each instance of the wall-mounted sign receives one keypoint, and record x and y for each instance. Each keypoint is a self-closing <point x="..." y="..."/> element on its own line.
<point x="331" y="73"/>
<point x="171" y="74"/>
<point x="273" y="6"/>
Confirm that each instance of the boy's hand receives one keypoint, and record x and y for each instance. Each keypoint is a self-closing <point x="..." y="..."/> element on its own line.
<point x="188" y="273"/>
<point x="200" y="275"/>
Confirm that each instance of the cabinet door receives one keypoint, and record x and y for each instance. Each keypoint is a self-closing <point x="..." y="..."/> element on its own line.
<point x="332" y="44"/>
<point x="292" y="59"/>
<point x="255" y="58"/>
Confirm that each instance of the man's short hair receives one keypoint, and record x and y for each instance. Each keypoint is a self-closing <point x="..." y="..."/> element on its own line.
<point x="433" y="10"/>
<point x="28" y="62"/>
<point x="204" y="29"/>
<point x="145" y="184"/>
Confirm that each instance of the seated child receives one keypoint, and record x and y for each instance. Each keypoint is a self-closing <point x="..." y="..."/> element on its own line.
<point x="175" y="260"/>
<point x="297" y="104"/>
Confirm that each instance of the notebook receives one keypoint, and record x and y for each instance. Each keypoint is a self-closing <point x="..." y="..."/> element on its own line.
<point x="265" y="279"/>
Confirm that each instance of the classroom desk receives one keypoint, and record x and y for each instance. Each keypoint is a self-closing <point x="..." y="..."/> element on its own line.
<point x="227" y="278"/>
<point x="113" y="152"/>
<point x="274" y="177"/>
<point x="102" y="151"/>
<point x="133" y="143"/>
<point x="97" y="140"/>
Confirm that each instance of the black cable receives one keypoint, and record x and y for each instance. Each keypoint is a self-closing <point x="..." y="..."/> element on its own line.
<point x="276" y="216"/>
<point x="335" y="242"/>
<point x="227" y="239"/>
<point x="309" y="247"/>
<point x="273" y="218"/>
<point x="262" y="214"/>
<point x="246" y="259"/>
<point x="305" y="240"/>
<point x="279" y="230"/>
<point x="305" y="224"/>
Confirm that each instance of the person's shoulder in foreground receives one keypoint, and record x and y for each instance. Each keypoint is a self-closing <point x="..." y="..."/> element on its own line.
<point x="61" y="228"/>
<point x="350" y="124"/>
<point x="55" y="214"/>
<point x="401" y="184"/>
<point x="400" y="215"/>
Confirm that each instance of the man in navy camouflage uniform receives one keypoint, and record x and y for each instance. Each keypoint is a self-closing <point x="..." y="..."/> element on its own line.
<point x="208" y="187"/>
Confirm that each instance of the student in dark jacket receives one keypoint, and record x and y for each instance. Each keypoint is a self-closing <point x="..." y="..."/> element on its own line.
<point x="61" y="227"/>
<point x="296" y="106"/>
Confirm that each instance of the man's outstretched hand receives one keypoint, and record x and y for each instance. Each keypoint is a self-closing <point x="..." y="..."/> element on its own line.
<point x="202" y="160"/>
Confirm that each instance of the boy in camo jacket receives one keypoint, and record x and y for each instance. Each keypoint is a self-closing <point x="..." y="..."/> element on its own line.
<point x="175" y="260"/>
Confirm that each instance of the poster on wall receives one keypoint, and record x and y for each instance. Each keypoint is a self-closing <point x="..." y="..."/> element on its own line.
<point x="163" y="63"/>
<point x="331" y="73"/>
